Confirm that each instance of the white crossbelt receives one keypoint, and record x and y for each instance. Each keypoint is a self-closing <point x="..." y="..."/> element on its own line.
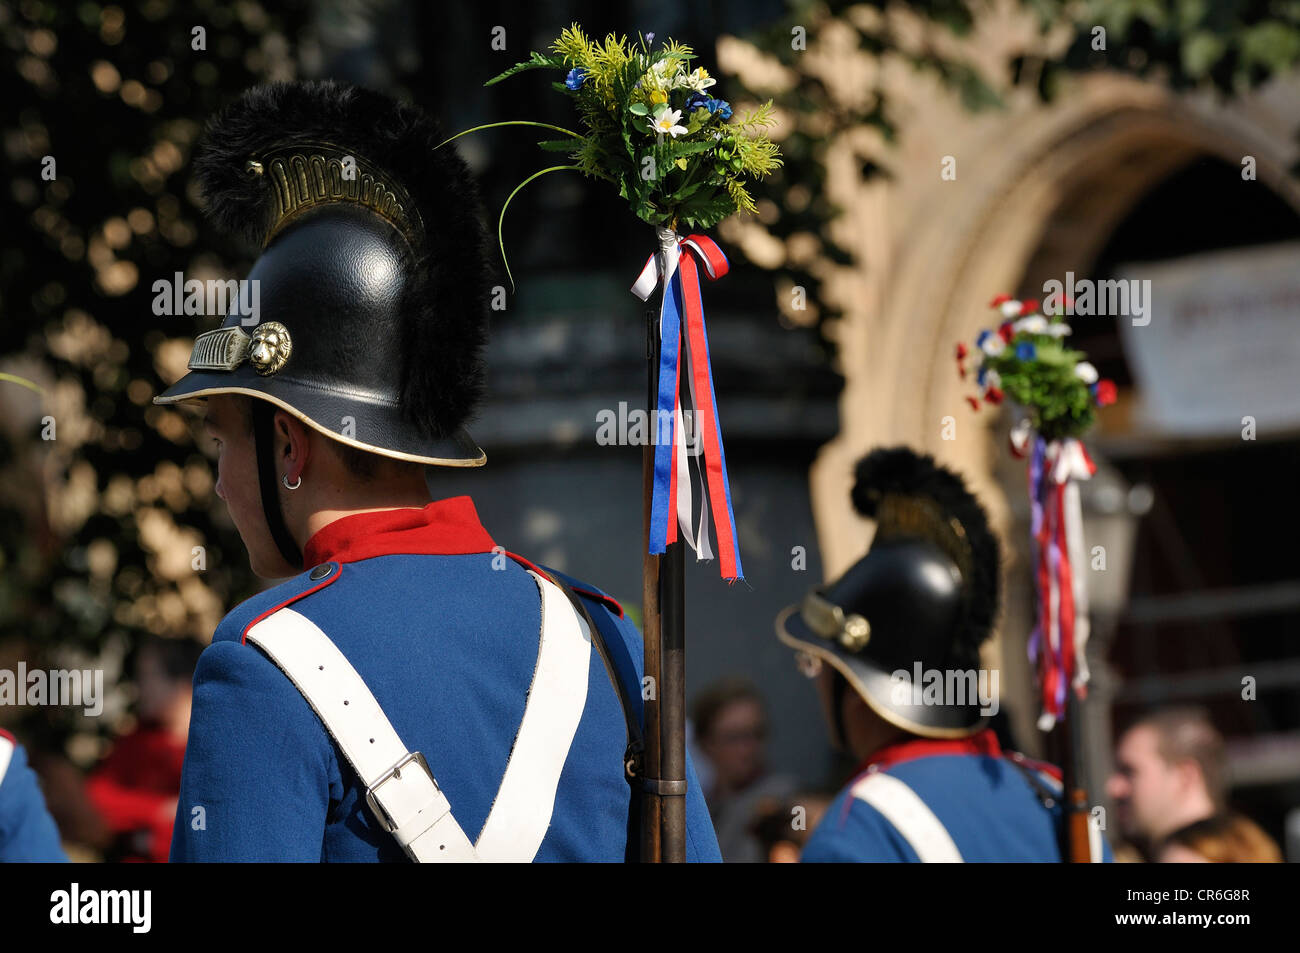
<point x="521" y="813"/>
<point x="400" y="788"/>
<point x="917" y="824"/>
<point x="6" y="753"/>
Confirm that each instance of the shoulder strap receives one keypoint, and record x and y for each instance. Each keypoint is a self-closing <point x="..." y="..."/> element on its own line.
<point x="1047" y="788"/>
<point x="400" y="789"/>
<point x="910" y="816"/>
<point x="1050" y="793"/>
<point x="557" y="698"/>
<point x="635" y="751"/>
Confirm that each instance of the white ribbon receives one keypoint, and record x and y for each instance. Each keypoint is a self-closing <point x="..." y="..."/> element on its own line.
<point x="662" y="266"/>
<point x="1067" y="464"/>
<point x="1020" y="437"/>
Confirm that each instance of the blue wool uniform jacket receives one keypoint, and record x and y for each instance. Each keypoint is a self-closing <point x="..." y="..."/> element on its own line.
<point x="983" y="800"/>
<point x="27" y="832"/>
<point x="444" y="632"/>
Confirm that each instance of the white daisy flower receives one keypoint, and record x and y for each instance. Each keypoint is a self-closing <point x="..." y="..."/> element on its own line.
<point x="1085" y="372"/>
<point x="1010" y="309"/>
<point x="698" y="79"/>
<point x="667" y="74"/>
<point x="1058" y="329"/>
<point x="1034" y="324"/>
<point x="665" y="121"/>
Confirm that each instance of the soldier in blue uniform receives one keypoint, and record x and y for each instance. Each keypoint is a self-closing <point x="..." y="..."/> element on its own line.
<point x="894" y="646"/>
<point x="27" y="832"/>
<point x="414" y="691"/>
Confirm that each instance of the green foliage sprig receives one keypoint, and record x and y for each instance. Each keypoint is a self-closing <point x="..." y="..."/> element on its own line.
<point x="673" y="151"/>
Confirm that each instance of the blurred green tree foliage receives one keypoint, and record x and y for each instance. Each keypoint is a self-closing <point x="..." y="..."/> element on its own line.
<point x="108" y="525"/>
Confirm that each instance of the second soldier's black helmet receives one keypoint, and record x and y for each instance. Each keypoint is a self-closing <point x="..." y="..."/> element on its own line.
<point x="924" y="596"/>
<point x="372" y="274"/>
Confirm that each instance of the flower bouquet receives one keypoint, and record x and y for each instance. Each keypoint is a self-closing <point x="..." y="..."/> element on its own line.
<point x="1025" y="359"/>
<point x="653" y="127"/>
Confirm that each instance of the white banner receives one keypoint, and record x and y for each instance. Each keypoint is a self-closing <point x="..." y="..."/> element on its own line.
<point x="1222" y="343"/>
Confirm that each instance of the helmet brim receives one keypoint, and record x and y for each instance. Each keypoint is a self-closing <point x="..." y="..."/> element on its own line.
<point x="372" y="426"/>
<point x="877" y="687"/>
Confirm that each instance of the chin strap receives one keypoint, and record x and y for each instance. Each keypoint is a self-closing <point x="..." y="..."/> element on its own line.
<point x="838" y="687"/>
<point x="263" y="415"/>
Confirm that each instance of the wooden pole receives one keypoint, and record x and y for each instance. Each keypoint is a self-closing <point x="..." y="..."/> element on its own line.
<point x="663" y="815"/>
<point x="1075" y="808"/>
<point x="672" y="704"/>
<point x="651" y="801"/>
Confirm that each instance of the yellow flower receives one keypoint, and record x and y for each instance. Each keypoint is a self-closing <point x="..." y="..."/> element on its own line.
<point x="658" y="96"/>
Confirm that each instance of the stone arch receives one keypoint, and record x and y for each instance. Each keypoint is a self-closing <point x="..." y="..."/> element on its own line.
<point x="1083" y="163"/>
<point x="1092" y="158"/>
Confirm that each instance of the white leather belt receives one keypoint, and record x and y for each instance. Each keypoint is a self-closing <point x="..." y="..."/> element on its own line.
<point x="521" y="812"/>
<point x="401" y="791"/>
<point x="910" y="816"/>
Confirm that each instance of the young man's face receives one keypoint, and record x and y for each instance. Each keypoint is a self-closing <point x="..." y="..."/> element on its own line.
<point x="1146" y="789"/>
<point x="229" y="423"/>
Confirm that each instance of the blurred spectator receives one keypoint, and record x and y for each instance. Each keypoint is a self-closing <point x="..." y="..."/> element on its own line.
<point x="782" y="826"/>
<point x="1170" y="773"/>
<point x="1222" y="839"/>
<point x="136" y="785"/>
<point x="730" y="729"/>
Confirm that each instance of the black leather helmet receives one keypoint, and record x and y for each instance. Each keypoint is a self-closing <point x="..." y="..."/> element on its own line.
<point x="923" y="597"/>
<point x="372" y="278"/>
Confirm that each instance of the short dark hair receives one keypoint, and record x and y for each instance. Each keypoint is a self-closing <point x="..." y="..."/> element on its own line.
<point x="359" y="463"/>
<point x="362" y="464"/>
<point x="1187" y="734"/>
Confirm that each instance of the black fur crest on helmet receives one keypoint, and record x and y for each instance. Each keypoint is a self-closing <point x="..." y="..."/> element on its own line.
<point x="445" y="304"/>
<point x="903" y="472"/>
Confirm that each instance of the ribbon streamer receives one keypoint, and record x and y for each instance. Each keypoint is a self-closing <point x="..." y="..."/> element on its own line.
<point x="688" y="435"/>
<point x="1058" y="643"/>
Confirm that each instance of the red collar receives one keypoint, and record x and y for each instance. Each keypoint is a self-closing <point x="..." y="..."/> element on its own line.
<point x="984" y="742"/>
<point x="443" y="528"/>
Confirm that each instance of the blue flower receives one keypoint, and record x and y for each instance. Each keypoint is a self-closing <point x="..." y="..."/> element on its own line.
<point x="1026" y="351"/>
<point x="577" y="76"/>
<point x="718" y="107"/>
<point x="983" y="373"/>
<point x="649" y="37"/>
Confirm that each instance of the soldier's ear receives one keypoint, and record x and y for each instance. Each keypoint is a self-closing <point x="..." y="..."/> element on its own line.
<point x="293" y="444"/>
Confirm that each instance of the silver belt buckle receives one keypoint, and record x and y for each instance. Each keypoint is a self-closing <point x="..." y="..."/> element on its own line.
<point x="381" y="815"/>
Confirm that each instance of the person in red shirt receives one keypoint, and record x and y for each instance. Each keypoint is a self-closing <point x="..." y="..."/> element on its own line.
<point x="136" y="785"/>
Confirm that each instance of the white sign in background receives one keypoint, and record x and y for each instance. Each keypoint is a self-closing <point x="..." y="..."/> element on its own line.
<point x="1223" y="342"/>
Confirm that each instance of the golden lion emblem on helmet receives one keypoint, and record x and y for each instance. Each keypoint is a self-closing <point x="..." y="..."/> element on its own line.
<point x="269" y="348"/>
